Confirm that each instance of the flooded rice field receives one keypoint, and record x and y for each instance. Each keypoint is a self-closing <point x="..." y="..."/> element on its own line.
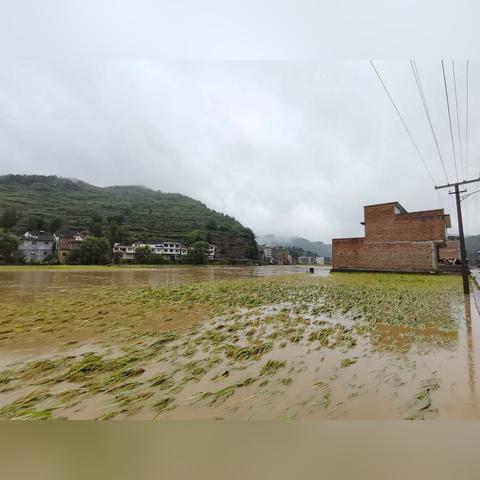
<point x="236" y="343"/>
<point x="24" y="283"/>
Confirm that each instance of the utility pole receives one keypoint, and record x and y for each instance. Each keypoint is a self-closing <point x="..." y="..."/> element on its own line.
<point x="463" y="252"/>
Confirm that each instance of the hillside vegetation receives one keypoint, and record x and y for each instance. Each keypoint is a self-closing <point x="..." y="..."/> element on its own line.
<point x="121" y="213"/>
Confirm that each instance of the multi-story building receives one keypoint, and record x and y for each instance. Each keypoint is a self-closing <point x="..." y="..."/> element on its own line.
<point x="67" y="244"/>
<point x="211" y="251"/>
<point x="36" y="247"/>
<point x="265" y="254"/>
<point x="166" y="248"/>
<point x="280" y="255"/>
<point x="125" y="252"/>
<point x="395" y="240"/>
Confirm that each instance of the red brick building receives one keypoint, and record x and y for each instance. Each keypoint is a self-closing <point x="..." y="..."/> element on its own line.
<point x="395" y="240"/>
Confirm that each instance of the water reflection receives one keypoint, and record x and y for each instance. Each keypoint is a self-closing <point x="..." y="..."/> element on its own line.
<point x="28" y="284"/>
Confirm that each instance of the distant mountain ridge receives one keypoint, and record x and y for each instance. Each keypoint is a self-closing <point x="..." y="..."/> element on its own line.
<point x="320" y="248"/>
<point x="121" y="213"/>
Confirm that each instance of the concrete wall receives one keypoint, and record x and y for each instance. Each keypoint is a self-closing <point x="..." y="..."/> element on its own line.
<point x="452" y="250"/>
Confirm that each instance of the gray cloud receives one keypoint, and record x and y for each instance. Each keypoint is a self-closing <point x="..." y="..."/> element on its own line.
<point x="292" y="148"/>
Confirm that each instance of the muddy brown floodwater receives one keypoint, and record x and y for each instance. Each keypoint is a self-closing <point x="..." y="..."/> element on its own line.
<point x="25" y="284"/>
<point x="284" y="360"/>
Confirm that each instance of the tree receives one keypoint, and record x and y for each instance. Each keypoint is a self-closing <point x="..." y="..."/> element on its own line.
<point x="143" y="255"/>
<point x="8" y="245"/>
<point x="115" y="233"/>
<point x="199" y="253"/>
<point x="212" y="225"/>
<point x="52" y="259"/>
<point x="194" y="236"/>
<point x="96" y="225"/>
<point x="92" y="251"/>
<point x="54" y="224"/>
<point x="9" y="218"/>
<point x="36" y="223"/>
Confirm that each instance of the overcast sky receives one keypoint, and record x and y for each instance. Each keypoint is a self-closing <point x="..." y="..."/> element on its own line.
<point x="290" y="148"/>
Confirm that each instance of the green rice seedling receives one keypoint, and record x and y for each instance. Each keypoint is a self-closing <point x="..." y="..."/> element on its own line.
<point x="347" y="362"/>
<point x="90" y="363"/>
<point x="108" y="416"/>
<point x="165" y="338"/>
<point x="193" y="371"/>
<point x="254" y="351"/>
<point x="68" y="395"/>
<point x="33" y="414"/>
<point x="218" y="397"/>
<point x="344" y="339"/>
<point x="6" y="376"/>
<point x="163" y="404"/>
<point x="271" y="367"/>
<point x="322" y="336"/>
<point x="421" y="406"/>
<point x="297" y="336"/>
<point x="163" y="381"/>
<point x="24" y="406"/>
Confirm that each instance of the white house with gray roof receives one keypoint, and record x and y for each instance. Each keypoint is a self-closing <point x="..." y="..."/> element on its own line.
<point x="36" y="247"/>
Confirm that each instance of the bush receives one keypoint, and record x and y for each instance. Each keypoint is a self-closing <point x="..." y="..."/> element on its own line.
<point x="52" y="259"/>
<point x="92" y="251"/>
<point x="8" y="246"/>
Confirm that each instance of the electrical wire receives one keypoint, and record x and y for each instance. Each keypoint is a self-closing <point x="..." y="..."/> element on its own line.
<point x="416" y="75"/>
<point x="458" y="118"/>
<point x="466" y="122"/>
<point x="403" y="122"/>
<point x="450" y="120"/>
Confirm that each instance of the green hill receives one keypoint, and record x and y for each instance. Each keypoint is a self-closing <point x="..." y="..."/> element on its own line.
<point x="121" y="213"/>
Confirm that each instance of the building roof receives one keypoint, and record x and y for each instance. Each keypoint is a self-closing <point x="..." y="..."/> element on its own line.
<point x="42" y="236"/>
<point x="397" y="204"/>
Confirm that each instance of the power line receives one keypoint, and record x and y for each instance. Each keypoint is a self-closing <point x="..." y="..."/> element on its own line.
<point x="458" y="118"/>
<point x="403" y="122"/>
<point x="475" y="215"/>
<point x="450" y="120"/>
<point x="466" y="125"/>
<point x="416" y="74"/>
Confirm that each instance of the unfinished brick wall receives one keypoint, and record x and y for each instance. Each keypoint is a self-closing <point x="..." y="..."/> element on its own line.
<point x="356" y="254"/>
<point x="394" y="241"/>
<point x="382" y="224"/>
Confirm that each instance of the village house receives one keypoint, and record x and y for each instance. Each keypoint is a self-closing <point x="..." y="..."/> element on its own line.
<point x="166" y="248"/>
<point x="36" y="247"/>
<point x="66" y="244"/>
<point x="395" y="240"/>
<point x="308" y="260"/>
